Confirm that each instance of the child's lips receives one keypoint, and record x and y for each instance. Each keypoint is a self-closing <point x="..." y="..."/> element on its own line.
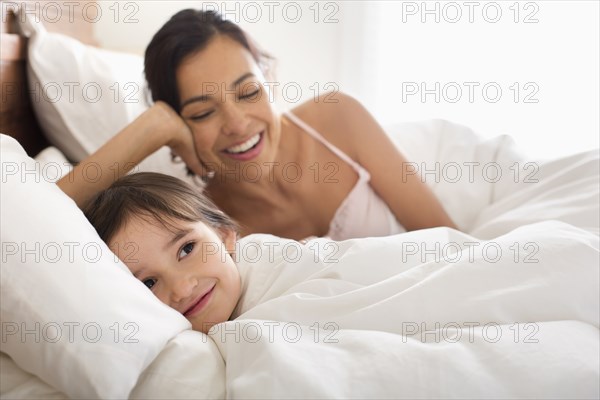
<point x="200" y="302"/>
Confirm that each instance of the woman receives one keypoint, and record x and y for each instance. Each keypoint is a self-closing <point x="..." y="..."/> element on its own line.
<point x="325" y="168"/>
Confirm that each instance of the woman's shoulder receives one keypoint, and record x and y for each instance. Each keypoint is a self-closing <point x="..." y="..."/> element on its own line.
<point x="327" y="108"/>
<point x="334" y="115"/>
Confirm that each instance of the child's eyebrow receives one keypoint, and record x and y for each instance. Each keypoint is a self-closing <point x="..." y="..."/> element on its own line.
<point x="178" y="235"/>
<point x="137" y="273"/>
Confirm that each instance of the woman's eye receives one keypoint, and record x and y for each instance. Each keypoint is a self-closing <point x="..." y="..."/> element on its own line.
<point x="149" y="283"/>
<point x="185" y="250"/>
<point x="201" y="116"/>
<point x="250" y="95"/>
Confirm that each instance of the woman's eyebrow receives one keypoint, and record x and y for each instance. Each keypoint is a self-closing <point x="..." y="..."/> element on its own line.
<point x="176" y="236"/>
<point x="205" y="97"/>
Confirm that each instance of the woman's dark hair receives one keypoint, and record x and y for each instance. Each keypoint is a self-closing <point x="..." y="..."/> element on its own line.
<point x="186" y="33"/>
<point x="158" y="197"/>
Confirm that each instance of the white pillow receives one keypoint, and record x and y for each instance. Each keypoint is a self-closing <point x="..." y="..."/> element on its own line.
<point x="451" y="159"/>
<point x="72" y="314"/>
<point x="189" y="367"/>
<point x="53" y="164"/>
<point x="83" y="95"/>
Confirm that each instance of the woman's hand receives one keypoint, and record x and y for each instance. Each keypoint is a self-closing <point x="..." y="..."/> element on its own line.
<point x="156" y="127"/>
<point x="176" y="135"/>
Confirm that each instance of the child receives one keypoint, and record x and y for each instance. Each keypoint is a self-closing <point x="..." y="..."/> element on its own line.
<point x="158" y="226"/>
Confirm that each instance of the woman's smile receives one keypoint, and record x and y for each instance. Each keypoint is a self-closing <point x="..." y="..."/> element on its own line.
<point x="246" y="150"/>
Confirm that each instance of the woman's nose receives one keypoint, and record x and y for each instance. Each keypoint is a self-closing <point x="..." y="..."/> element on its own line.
<point x="235" y="122"/>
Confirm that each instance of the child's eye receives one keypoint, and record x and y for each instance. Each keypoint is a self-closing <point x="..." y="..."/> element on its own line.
<point x="186" y="249"/>
<point x="149" y="283"/>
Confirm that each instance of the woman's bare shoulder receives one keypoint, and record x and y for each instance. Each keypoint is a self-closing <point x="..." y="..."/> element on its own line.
<point x="327" y="108"/>
<point x="334" y="115"/>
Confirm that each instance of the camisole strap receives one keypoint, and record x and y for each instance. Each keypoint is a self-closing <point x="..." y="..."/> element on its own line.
<point x="312" y="132"/>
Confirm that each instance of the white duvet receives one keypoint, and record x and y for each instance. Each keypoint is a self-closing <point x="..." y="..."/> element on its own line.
<point x="500" y="322"/>
<point x="510" y="309"/>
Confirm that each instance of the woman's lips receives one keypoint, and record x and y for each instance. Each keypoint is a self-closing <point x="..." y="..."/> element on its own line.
<point x="201" y="303"/>
<point x="251" y="153"/>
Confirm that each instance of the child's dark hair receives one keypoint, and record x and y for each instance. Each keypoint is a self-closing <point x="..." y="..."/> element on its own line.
<point x="159" y="197"/>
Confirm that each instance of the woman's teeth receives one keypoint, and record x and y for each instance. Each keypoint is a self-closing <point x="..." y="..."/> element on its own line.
<point x="247" y="145"/>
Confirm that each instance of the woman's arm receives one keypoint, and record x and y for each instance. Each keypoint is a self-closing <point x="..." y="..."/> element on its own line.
<point x="412" y="202"/>
<point x="156" y="127"/>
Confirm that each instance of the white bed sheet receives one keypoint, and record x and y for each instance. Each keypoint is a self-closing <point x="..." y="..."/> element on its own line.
<point x="544" y="315"/>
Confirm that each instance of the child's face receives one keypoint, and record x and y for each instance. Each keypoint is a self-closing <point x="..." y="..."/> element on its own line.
<point x="188" y="268"/>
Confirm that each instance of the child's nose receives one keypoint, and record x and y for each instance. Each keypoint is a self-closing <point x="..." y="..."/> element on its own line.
<point x="182" y="289"/>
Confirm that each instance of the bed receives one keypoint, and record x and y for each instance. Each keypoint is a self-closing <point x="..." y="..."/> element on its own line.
<point x="506" y="308"/>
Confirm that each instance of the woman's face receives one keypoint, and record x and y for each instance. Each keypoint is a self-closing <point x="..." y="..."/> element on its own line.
<point x="227" y="106"/>
<point x="187" y="266"/>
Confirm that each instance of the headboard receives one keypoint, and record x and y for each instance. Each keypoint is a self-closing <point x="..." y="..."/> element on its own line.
<point x="17" y="118"/>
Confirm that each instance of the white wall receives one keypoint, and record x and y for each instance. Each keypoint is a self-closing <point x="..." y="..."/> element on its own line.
<point x="306" y="52"/>
<point x="554" y="58"/>
<point x="379" y="50"/>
